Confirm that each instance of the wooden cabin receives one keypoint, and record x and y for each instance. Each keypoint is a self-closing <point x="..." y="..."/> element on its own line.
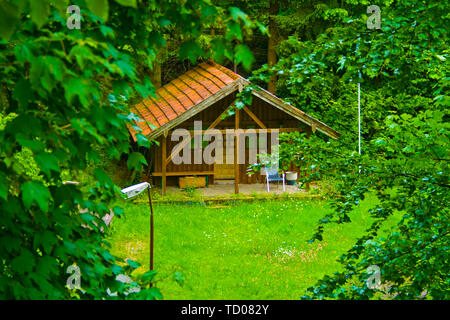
<point x="204" y="94"/>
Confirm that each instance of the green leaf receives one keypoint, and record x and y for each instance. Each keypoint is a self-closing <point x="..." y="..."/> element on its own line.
<point x="39" y="12"/>
<point x="191" y="50"/>
<point x="135" y="160"/>
<point x="34" y="145"/>
<point x="87" y="217"/>
<point x="244" y="56"/>
<point x="22" y="52"/>
<point x="118" y="211"/>
<point x="44" y="239"/>
<point x="155" y="293"/>
<point x="47" y="265"/>
<point x="235" y="32"/>
<point x="9" y="16"/>
<point x="380" y="142"/>
<point x="157" y="39"/>
<point x="99" y="8"/>
<point x="35" y="192"/>
<point x="3" y="186"/>
<point x="127" y="3"/>
<point x="208" y="11"/>
<point x="22" y="92"/>
<point x="178" y="277"/>
<point x="117" y="269"/>
<point x="142" y="140"/>
<point x="149" y="275"/>
<point x="24" y="263"/>
<point x="133" y="264"/>
<point x="55" y="67"/>
<point x="126" y="67"/>
<point x="107" y="31"/>
<point x="262" y="28"/>
<point x="108" y="256"/>
<point x="237" y="13"/>
<point x="341" y="63"/>
<point x="80" y="87"/>
<point x="163" y="22"/>
<point x="36" y="70"/>
<point x="218" y="48"/>
<point x="102" y="177"/>
<point x="47" y="163"/>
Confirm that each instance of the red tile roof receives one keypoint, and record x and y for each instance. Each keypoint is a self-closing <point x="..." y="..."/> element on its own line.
<point x="181" y="94"/>
<point x="197" y="85"/>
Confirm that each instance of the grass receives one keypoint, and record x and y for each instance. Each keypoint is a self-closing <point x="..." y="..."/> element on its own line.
<point x="193" y="195"/>
<point x="241" y="250"/>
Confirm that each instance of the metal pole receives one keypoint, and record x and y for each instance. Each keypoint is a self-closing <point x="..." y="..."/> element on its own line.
<point x="151" y="228"/>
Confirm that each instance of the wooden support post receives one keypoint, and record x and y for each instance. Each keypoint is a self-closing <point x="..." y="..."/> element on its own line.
<point x="308" y="134"/>
<point x="236" y="150"/>
<point x="164" y="163"/>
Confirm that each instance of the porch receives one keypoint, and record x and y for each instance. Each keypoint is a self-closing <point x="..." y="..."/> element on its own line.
<point x="228" y="189"/>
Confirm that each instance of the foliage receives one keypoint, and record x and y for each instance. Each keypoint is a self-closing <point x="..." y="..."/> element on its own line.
<point x="403" y="71"/>
<point x="70" y="90"/>
<point x="64" y="96"/>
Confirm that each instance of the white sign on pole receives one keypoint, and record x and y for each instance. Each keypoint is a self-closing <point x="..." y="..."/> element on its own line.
<point x="135" y="189"/>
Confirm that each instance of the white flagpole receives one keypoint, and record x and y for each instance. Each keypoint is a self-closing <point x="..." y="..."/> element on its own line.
<point x="359" y="102"/>
<point x="359" y="118"/>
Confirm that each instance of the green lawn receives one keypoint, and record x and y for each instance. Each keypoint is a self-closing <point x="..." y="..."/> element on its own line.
<point x="254" y="250"/>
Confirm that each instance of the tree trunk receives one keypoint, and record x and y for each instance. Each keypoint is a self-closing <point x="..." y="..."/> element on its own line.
<point x="155" y="74"/>
<point x="273" y="39"/>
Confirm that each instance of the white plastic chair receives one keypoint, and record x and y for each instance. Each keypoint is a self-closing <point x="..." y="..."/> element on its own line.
<point x="273" y="175"/>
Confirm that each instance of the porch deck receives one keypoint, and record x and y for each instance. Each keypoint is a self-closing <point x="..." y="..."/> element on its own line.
<point x="222" y="189"/>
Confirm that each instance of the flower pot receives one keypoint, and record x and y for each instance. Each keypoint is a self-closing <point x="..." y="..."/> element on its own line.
<point x="291" y="175"/>
<point x="291" y="178"/>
